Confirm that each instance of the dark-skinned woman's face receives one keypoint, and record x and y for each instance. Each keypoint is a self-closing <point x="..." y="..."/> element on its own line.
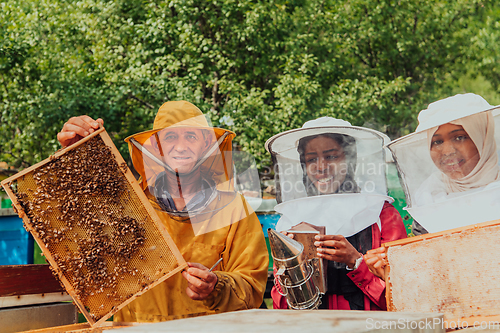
<point x="453" y="151"/>
<point x="325" y="164"/>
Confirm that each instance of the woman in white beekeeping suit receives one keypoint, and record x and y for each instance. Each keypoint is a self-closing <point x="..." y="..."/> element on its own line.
<point x="449" y="167"/>
<point x="331" y="174"/>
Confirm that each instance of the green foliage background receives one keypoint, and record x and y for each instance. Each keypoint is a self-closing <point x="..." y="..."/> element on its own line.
<point x="255" y="67"/>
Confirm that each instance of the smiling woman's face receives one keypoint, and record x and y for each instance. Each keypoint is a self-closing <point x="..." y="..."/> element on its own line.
<point x="453" y="151"/>
<point x="325" y="164"/>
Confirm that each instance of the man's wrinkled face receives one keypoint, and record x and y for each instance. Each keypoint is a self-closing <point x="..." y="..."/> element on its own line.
<point x="182" y="147"/>
<point x="453" y="151"/>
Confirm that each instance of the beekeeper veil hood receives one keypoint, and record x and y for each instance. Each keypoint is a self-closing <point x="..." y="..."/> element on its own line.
<point x="479" y="128"/>
<point x="185" y="164"/>
<point x="451" y="155"/>
<point x="329" y="173"/>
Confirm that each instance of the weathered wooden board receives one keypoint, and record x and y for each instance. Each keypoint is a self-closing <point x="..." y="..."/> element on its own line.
<point x="84" y="328"/>
<point x="27" y="279"/>
<point x="25" y="318"/>
<point x="300" y="321"/>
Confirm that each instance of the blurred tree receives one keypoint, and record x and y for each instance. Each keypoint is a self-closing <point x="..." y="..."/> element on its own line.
<point x="256" y="67"/>
<point x="484" y="58"/>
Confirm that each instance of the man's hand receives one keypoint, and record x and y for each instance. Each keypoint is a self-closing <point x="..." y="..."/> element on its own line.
<point x="77" y="128"/>
<point x="336" y="248"/>
<point x="201" y="282"/>
<point x="376" y="261"/>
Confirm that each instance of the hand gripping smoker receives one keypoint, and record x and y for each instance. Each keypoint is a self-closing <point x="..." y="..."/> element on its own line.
<point x="294" y="272"/>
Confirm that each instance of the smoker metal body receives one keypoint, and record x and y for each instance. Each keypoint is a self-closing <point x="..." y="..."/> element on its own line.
<point x="307" y="238"/>
<point x="294" y="272"/>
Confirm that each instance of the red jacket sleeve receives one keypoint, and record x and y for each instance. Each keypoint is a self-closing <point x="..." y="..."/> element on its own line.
<point x="392" y="229"/>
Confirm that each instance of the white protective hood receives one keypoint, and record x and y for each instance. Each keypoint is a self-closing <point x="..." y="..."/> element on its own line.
<point x="434" y="199"/>
<point x="345" y="212"/>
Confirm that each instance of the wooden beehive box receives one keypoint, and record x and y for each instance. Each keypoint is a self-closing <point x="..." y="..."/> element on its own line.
<point x="454" y="272"/>
<point x="95" y="226"/>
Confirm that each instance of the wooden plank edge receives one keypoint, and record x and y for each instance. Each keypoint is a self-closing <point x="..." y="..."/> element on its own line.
<point x="28" y="279"/>
<point x="30" y="299"/>
<point x="7" y="212"/>
<point x="423" y="237"/>
<point x="84" y="327"/>
<point x="388" y="287"/>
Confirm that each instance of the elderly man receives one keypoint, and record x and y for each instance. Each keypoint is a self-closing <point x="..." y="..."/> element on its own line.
<point x="187" y="174"/>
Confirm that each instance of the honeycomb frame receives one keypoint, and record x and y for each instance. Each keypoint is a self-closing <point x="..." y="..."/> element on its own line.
<point x="460" y="263"/>
<point x="95" y="226"/>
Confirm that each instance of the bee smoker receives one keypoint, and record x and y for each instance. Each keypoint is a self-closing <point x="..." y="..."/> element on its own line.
<point x="294" y="272"/>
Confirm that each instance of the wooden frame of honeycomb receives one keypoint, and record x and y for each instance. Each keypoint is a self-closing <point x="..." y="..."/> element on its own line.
<point x="452" y="272"/>
<point x="95" y="226"/>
